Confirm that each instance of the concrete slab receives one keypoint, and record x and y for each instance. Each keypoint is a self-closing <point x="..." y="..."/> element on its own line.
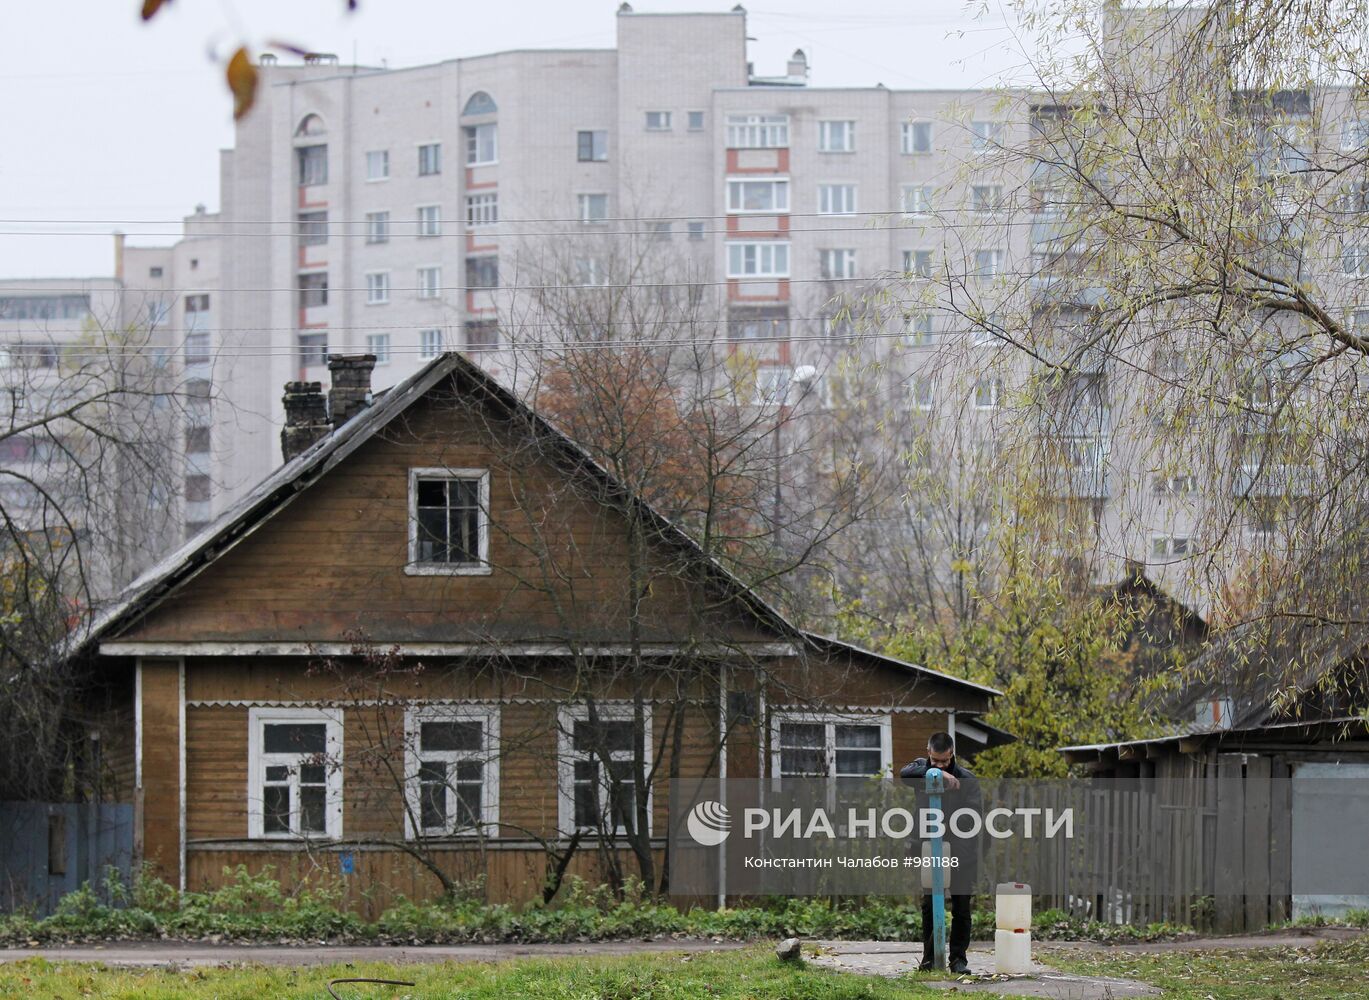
<point x="873" y="958"/>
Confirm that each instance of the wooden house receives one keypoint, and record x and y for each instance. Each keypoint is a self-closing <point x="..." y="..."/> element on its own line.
<point x="440" y="645"/>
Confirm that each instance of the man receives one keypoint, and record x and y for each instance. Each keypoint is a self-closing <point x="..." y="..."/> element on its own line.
<point x="962" y="792"/>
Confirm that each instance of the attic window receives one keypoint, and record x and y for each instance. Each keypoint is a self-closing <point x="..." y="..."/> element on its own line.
<point x="448" y="522"/>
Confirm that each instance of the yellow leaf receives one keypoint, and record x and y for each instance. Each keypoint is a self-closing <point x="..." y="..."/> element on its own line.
<point x="150" y="7"/>
<point x="242" y="81"/>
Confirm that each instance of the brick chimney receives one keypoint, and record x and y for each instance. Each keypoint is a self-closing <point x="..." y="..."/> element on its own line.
<point x="350" y="392"/>
<point x="306" y="417"/>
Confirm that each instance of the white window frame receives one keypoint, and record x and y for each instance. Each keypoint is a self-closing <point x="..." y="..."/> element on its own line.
<point x="379" y="345"/>
<point x="995" y="385"/>
<point x="993" y="204"/>
<point x="1167" y="543"/>
<point x="423" y="349"/>
<point x="838" y="263"/>
<point x="690" y="126"/>
<point x="429" y="227"/>
<point x="773" y="383"/>
<point x="378" y="292"/>
<point x="482" y="209"/>
<point x="757" y="131"/>
<point x="827" y="132"/>
<point x="910" y="262"/>
<point x="924" y="199"/>
<point x="996" y="262"/>
<point x="412" y="567"/>
<point x="414" y="718"/>
<point x="1354" y="135"/>
<point x="582" y="204"/>
<point x="378" y="229"/>
<point x="664" y="121"/>
<point x="430" y="144"/>
<point x="257" y="760"/>
<point x="831" y="720"/>
<point x="830" y="204"/>
<point x="908" y="136"/>
<point x="384" y="175"/>
<point x="471" y="134"/>
<point x="736" y="195"/>
<point x="566" y="717"/>
<point x="918" y="387"/>
<point x="919" y="329"/>
<point x="592" y="133"/>
<point x="771" y="248"/>
<point x="428" y="292"/>
<point x="986" y="136"/>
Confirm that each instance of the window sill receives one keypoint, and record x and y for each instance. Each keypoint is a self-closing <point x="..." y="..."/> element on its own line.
<point x="482" y="163"/>
<point x="437" y="569"/>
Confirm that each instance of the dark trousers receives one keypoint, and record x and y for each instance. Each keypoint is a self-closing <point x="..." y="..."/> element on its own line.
<point x="958" y="941"/>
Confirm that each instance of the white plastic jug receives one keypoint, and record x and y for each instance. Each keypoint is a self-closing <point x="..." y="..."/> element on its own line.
<point x="1013" y="906"/>
<point x="1012" y="952"/>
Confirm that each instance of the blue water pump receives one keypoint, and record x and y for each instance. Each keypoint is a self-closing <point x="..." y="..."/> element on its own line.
<point x="936" y="785"/>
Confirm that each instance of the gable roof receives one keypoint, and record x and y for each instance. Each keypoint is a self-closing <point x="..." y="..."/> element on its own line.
<point x="291" y="479"/>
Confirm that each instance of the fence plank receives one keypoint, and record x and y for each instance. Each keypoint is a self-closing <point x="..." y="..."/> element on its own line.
<point x="1230" y="846"/>
<point x="1256" y="879"/>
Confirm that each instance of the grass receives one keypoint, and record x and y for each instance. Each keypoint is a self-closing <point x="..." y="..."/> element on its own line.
<point x="1328" y="970"/>
<point x="745" y="975"/>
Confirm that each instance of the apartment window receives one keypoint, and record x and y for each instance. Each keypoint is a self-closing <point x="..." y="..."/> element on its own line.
<point x="985" y="331"/>
<point x="918" y="330"/>
<point x="590" y="271"/>
<point x="694" y="121"/>
<point x="429" y="220"/>
<point x="377" y="227"/>
<point x="1355" y="259"/>
<point x="482" y="334"/>
<point x="837" y="137"/>
<point x="377" y="288"/>
<point x="986" y="197"/>
<point x="429" y="159"/>
<point x="829" y="746"/>
<point x="482" y="144"/>
<point x="758" y="323"/>
<point x="312" y="228"/>
<point x="197" y="489"/>
<point x="918" y="262"/>
<point x="379" y="345"/>
<point x="985" y="137"/>
<point x="1177" y="486"/>
<point x="448" y="521"/>
<point x="1170" y="546"/>
<point x="482" y="272"/>
<point x="917" y="199"/>
<point x="920" y="392"/>
<point x="452" y="769"/>
<point x="696" y="230"/>
<point x="313" y="290"/>
<point x="658" y="121"/>
<point x="839" y="326"/>
<point x="837" y="263"/>
<point x="836" y="199"/>
<point x="312" y="164"/>
<point x="591" y="146"/>
<point x="661" y="231"/>
<point x="429" y="343"/>
<point x="988" y="393"/>
<point x="154" y="272"/>
<point x="312" y="349"/>
<point x="593" y="207"/>
<point x="769" y="260"/>
<point x="197" y="349"/>
<point x="44" y="306"/>
<point x="196" y="304"/>
<point x="429" y="282"/>
<point x="988" y="264"/>
<point x="378" y="165"/>
<point x="598" y="786"/>
<point x="294" y="772"/>
<point x="758" y="196"/>
<point x="916" y="137"/>
<point x="757" y="131"/>
<point x="480" y="103"/>
<point x="772" y="384"/>
<point x="1354" y="136"/>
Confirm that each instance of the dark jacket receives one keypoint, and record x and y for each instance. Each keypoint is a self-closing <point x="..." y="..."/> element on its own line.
<point x="966" y="796"/>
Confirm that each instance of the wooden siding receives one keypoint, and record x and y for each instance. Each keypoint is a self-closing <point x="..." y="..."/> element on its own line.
<point x="331" y="564"/>
<point x="161" y="792"/>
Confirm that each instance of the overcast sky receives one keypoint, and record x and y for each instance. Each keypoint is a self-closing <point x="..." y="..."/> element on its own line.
<point x="107" y="123"/>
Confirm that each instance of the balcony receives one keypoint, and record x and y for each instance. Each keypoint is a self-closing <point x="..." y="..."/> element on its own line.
<point x="1078" y="465"/>
<point x="1273" y="480"/>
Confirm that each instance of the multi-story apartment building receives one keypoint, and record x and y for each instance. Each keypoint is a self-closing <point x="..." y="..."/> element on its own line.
<point x="403" y="212"/>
